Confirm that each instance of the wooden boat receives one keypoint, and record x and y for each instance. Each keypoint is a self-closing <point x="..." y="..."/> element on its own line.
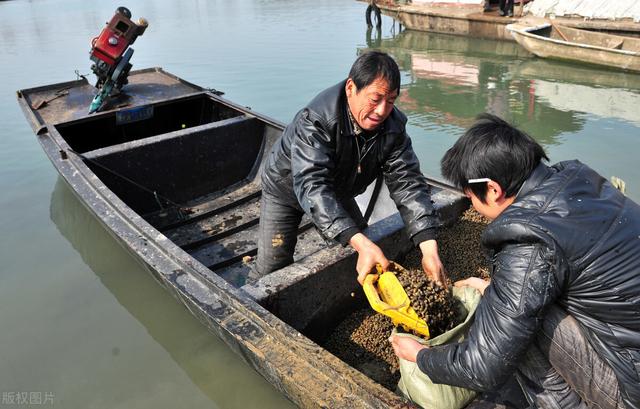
<point x="575" y="45"/>
<point x="172" y="171"/>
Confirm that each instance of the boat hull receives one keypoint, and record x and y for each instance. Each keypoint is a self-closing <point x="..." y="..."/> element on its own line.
<point x="574" y="52"/>
<point x="271" y="322"/>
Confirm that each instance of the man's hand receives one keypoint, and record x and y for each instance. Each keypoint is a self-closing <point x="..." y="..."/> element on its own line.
<point x="474" y="282"/>
<point x="369" y="254"/>
<point x="405" y="347"/>
<point x="431" y="263"/>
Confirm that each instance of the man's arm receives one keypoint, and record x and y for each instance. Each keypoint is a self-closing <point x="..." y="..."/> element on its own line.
<point x="524" y="283"/>
<point x="412" y="195"/>
<point x="410" y="191"/>
<point x="313" y="160"/>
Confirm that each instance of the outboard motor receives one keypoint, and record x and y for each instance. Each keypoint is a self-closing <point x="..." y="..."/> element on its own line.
<point x="111" y="54"/>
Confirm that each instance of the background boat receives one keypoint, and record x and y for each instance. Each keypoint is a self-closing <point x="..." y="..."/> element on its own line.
<point x="582" y="46"/>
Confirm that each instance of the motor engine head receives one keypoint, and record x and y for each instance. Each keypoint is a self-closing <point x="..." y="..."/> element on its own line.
<point x="109" y="46"/>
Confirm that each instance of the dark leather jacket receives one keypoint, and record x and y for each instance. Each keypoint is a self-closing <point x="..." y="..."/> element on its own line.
<point x="314" y="165"/>
<point x="569" y="238"/>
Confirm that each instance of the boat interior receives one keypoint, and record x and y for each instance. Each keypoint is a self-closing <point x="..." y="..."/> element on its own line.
<point x="593" y="38"/>
<point x="192" y="171"/>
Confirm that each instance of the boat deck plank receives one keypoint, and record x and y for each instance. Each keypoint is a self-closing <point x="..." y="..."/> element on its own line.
<point x="204" y="207"/>
<point x="233" y="257"/>
<point x="216" y="225"/>
<point x="245" y="243"/>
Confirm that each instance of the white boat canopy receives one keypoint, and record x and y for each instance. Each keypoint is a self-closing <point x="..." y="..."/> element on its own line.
<point x="587" y="9"/>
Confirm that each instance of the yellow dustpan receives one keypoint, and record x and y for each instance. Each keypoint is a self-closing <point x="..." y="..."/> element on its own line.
<point x="386" y="296"/>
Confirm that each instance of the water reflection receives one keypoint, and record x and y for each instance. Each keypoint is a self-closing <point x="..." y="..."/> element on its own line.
<point x="450" y="79"/>
<point x="453" y="78"/>
<point x="601" y="102"/>
<point x="374" y="37"/>
<point x="208" y="362"/>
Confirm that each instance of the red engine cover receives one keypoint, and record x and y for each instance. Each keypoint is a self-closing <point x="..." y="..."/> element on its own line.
<point x="107" y="52"/>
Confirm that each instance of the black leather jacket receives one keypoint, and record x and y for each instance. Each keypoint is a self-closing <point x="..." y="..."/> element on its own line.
<point x="569" y="238"/>
<point x="314" y="165"/>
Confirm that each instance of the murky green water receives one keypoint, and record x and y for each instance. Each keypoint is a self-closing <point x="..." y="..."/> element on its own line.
<point x="81" y="324"/>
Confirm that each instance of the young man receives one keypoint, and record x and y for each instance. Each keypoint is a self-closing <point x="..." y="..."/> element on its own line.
<point x="562" y="310"/>
<point x="334" y="148"/>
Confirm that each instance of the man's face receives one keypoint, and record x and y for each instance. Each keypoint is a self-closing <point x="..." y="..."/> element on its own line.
<point x="372" y="104"/>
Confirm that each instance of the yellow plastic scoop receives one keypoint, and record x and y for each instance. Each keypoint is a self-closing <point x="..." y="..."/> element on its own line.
<point x="386" y="296"/>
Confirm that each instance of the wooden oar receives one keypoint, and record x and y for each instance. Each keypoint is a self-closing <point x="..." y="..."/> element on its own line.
<point x="564" y="37"/>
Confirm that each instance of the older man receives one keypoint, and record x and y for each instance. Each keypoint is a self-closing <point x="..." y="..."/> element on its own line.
<point x="333" y="149"/>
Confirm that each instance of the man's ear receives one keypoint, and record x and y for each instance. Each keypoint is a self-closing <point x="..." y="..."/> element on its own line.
<point x="495" y="194"/>
<point x="350" y="88"/>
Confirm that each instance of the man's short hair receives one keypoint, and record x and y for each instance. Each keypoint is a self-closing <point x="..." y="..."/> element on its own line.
<point x="373" y="64"/>
<point x="492" y="148"/>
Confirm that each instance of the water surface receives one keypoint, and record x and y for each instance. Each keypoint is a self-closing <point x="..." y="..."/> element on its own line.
<point x="82" y="323"/>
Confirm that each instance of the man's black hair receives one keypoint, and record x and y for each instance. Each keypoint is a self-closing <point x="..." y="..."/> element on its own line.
<point x="492" y="148"/>
<point x="373" y="64"/>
